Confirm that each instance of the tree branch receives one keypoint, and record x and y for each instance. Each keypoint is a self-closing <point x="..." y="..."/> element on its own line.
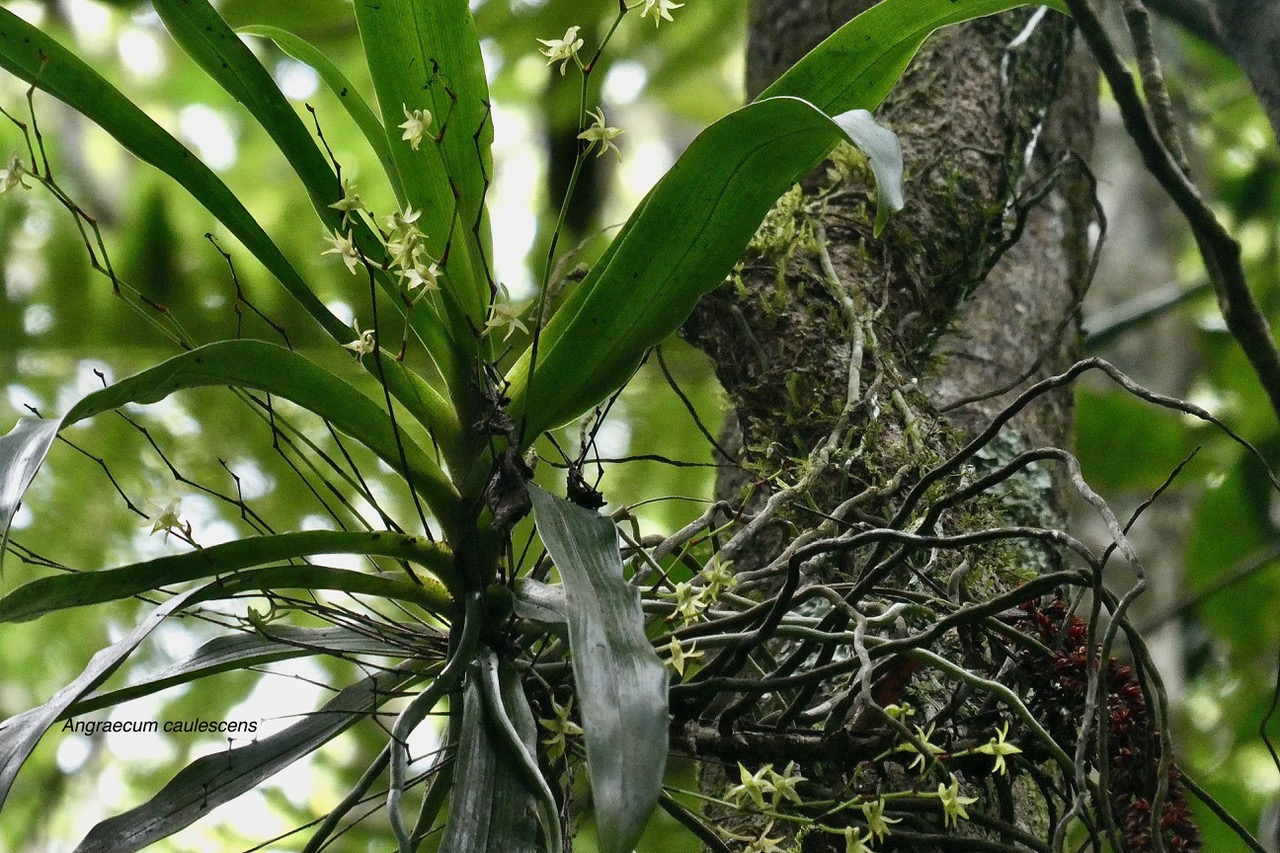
<point x="1218" y="249"/>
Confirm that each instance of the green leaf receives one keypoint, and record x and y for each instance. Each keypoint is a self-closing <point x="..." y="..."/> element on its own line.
<point x="61" y="591"/>
<point x="425" y="55"/>
<point x="245" y="364"/>
<point x="19" y="735"/>
<point x="491" y="810"/>
<point x="621" y="683"/>
<point x="238" y="652"/>
<point x="321" y="577"/>
<point x="883" y="154"/>
<point x="347" y="95"/>
<point x="543" y="605"/>
<point x="507" y="711"/>
<point x="222" y="776"/>
<point x="858" y="64"/>
<point x="211" y="42"/>
<point x="1109" y="424"/>
<point x="1231" y="529"/>
<point x="21" y="452"/>
<point x="36" y="58"/>
<point x="681" y="242"/>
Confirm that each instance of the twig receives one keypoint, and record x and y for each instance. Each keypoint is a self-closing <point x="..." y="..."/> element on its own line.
<point x="1218" y="249"/>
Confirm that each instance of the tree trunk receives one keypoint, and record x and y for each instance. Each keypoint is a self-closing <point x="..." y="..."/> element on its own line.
<point x="834" y="339"/>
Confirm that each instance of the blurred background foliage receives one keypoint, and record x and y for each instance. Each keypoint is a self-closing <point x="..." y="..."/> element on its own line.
<point x="1213" y="542"/>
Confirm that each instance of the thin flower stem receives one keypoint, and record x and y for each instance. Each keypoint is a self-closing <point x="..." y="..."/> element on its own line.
<point x="544" y="287"/>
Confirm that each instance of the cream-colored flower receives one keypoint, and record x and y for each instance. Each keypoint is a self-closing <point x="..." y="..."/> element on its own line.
<point x="414" y="126"/>
<point x="350" y="201"/>
<point x="562" y="50"/>
<point x="12" y="175"/>
<point x="661" y="10"/>
<point x="365" y="342"/>
<point x="402" y="222"/>
<point x="345" y="246"/>
<point x="170" y="521"/>
<point x="503" y="314"/>
<point x="600" y="133"/>
<point x="420" y="280"/>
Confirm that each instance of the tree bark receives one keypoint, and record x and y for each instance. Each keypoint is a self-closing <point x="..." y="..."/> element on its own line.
<point x="969" y="289"/>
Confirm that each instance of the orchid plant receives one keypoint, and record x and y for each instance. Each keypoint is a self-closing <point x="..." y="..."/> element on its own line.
<point x="458" y="432"/>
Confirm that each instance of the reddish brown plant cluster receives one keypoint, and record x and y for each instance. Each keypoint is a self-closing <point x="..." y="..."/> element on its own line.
<point x="1056" y="694"/>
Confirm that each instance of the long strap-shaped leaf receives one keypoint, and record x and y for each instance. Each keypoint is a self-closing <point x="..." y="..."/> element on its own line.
<point x="516" y="732"/>
<point x="19" y="735"/>
<point x="220" y="777"/>
<point x="246" y="364"/>
<point x="680" y="243"/>
<point x="424" y="54"/>
<point x="240" y="652"/>
<point x="347" y="94"/>
<point x="683" y="239"/>
<point x="621" y="683"/>
<point x="59" y="592"/>
<point x="858" y="64"/>
<point x="36" y="58"/>
<point x="211" y="42"/>
<point x="491" y="809"/>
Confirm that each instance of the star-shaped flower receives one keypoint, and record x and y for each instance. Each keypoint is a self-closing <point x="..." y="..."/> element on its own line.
<point x="877" y="823"/>
<point x="678" y="657"/>
<point x="170" y="521"/>
<point x="414" y="126"/>
<point x="561" y="728"/>
<point x="502" y="314"/>
<point x="754" y="786"/>
<point x="689" y="601"/>
<point x="402" y="221"/>
<point x="923" y="736"/>
<point x="765" y="844"/>
<point x="661" y="10"/>
<point x="350" y="200"/>
<point x="420" y="280"/>
<point x="365" y="342"/>
<point x="855" y="841"/>
<point x="562" y="50"/>
<point x="718" y="578"/>
<point x="12" y="175"/>
<point x="997" y="747"/>
<point x="345" y="246"/>
<point x="784" y="784"/>
<point x="601" y="133"/>
<point x="953" y="805"/>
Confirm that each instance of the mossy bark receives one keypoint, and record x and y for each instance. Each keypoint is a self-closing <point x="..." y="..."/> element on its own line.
<point x="945" y="304"/>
